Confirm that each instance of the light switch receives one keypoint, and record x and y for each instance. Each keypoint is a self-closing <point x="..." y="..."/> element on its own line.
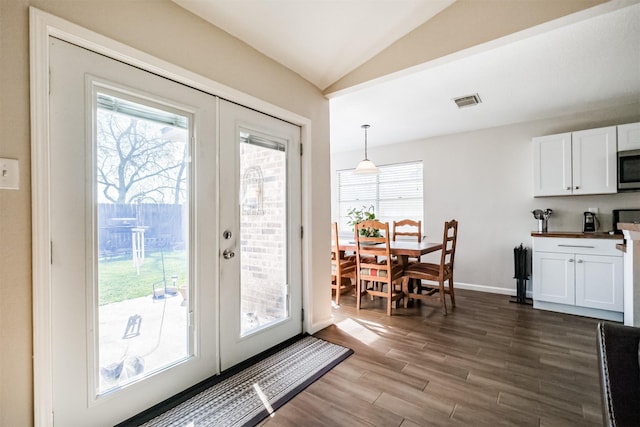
<point x="9" y="174"/>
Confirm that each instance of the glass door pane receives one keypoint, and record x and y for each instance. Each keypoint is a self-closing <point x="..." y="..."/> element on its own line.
<point x="263" y="233"/>
<point x="142" y="195"/>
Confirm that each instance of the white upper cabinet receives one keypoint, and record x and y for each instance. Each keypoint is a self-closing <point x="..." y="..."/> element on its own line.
<point x="552" y="165"/>
<point x="629" y="137"/>
<point x="594" y="161"/>
<point x="582" y="162"/>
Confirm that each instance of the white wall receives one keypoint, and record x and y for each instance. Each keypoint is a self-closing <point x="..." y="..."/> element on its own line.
<point x="166" y="31"/>
<point x="484" y="179"/>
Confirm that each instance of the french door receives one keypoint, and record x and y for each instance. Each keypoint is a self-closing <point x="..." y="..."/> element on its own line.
<point x="146" y="207"/>
<point x="260" y="239"/>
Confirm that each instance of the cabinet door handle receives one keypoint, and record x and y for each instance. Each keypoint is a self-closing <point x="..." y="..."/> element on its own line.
<point x="577" y="187"/>
<point x="576" y="246"/>
<point x="568" y="188"/>
<point x="579" y="261"/>
<point x="571" y="260"/>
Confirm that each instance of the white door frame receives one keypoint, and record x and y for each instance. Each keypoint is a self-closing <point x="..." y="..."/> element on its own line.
<point x="42" y="26"/>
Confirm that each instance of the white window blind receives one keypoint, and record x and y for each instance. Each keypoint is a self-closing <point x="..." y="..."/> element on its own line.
<point x="395" y="193"/>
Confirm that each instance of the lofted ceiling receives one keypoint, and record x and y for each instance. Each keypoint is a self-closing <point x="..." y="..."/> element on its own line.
<point x="583" y="66"/>
<point x="575" y="65"/>
<point x="322" y="40"/>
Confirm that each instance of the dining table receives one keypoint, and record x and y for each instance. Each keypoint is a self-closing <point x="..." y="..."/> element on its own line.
<point x="402" y="249"/>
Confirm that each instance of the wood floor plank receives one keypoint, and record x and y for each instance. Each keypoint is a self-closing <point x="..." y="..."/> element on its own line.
<point x="390" y="375"/>
<point x="489" y="362"/>
<point x="578" y="390"/>
<point x="472" y="415"/>
<point x="552" y="421"/>
<point x="426" y="412"/>
<point x="409" y="423"/>
<point x="541" y="406"/>
<point x="516" y="383"/>
<point x="350" y="389"/>
<point x="318" y="411"/>
<point x="592" y="413"/>
<point x="383" y="385"/>
<point x="361" y="409"/>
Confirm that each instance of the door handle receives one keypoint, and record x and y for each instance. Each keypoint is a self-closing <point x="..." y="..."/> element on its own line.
<point x="228" y="254"/>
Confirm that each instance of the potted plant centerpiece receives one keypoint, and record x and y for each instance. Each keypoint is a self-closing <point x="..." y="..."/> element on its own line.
<point x="356" y="216"/>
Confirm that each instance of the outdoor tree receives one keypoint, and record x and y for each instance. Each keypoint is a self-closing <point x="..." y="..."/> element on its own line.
<point x="138" y="159"/>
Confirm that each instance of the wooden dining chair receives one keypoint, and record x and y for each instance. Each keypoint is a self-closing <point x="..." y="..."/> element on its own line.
<point x="441" y="273"/>
<point x="407" y="227"/>
<point x="343" y="271"/>
<point x="377" y="274"/>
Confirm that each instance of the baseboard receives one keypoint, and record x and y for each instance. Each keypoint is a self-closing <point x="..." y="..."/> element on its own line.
<point x="317" y="326"/>
<point x="614" y="316"/>
<point x="489" y="289"/>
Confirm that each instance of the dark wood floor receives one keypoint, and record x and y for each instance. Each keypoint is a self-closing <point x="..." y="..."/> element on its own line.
<point x="489" y="362"/>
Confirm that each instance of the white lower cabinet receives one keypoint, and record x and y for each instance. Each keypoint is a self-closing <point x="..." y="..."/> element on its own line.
<point x="554" y="277"/>
<point x="599" y="282"/>
<point x="578" y="276"/>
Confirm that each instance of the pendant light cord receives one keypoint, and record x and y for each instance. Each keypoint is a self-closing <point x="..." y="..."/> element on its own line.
<point x="365" y="127"/>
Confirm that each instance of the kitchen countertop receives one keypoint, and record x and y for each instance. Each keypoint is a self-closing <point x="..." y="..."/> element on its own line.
<point x="578" y="235"/>
<point x="629" y="226"/>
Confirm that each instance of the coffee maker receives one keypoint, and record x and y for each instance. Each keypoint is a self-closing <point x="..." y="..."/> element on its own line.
<point x="589" y="222"/>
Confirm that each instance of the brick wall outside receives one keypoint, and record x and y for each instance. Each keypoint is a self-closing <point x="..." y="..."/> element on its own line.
<point x="263" y="235"/>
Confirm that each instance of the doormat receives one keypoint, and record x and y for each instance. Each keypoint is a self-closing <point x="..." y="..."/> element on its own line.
<point x="245" y="395"/>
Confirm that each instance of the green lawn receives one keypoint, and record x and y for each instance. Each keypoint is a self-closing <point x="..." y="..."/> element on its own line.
<point x="119" y="280"/>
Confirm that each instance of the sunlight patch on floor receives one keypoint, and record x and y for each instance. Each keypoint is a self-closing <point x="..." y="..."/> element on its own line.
<point x="358" y="331"/>
<point x="263" y="398"/>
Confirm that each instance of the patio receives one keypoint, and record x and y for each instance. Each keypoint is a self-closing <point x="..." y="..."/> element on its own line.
<point x="147" y="330"/>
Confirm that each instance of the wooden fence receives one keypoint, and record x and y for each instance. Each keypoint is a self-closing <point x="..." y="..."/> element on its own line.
<point x="162" y="224"/>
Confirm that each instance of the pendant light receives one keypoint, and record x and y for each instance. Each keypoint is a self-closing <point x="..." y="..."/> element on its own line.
<point x="366" y="166"/>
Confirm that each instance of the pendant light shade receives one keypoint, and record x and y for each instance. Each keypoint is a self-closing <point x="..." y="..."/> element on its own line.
<point x="366" y="166"/>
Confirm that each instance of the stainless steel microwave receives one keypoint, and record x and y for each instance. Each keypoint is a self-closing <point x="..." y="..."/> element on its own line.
<point x="629" y="170"/>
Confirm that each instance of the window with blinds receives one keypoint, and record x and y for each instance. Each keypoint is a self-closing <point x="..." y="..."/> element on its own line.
<point x="395" y="193"/>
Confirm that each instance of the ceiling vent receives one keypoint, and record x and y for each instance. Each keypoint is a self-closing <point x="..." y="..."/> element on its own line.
<point x="467" y="101"/>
